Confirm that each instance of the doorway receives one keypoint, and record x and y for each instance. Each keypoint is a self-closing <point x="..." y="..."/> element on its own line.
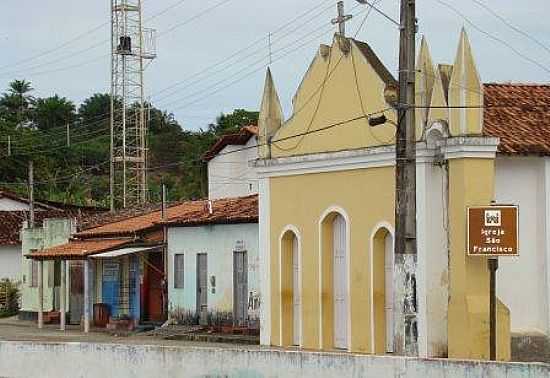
<point x="202" y="288"/>
<point x="240" y="288"/>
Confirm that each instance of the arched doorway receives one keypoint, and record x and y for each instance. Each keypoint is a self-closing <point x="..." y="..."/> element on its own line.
<point x="334" y="283"/>
<point x="382" y="277"/>
<point x="291" y="289"/>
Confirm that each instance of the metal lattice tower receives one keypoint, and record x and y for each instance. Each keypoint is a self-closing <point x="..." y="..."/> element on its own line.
<point x="132" y="47"/>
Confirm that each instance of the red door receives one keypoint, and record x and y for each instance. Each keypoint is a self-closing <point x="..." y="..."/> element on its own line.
<point x="152" y="292"/>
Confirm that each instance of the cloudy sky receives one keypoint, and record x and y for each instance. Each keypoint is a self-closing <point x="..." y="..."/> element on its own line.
<point x="212" y="54"/>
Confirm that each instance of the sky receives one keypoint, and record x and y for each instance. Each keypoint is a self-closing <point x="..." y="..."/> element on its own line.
<point x="212" y="54"/>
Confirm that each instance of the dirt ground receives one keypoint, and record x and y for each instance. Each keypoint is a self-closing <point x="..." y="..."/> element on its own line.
<point x="13" y="329"/>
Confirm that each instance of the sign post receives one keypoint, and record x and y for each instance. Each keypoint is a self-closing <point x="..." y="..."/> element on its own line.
<point x="493" y="232"/>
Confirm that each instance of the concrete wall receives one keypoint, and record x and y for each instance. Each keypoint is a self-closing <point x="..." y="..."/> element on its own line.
<point x="10" y="262"/>
<point x="218" y="242"/>
<point x="229" y="174"/>
<point x="59" y="360"/>
<point x="522" y="281"/>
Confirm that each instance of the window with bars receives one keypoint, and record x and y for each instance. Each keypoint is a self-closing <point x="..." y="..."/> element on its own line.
<point x="178" y="271"/>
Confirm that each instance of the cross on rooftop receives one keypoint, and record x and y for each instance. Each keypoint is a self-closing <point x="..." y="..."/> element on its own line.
<point x="341" y="19"/>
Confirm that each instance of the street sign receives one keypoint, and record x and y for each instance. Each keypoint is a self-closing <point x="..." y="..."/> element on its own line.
<point x="493" y="231"/>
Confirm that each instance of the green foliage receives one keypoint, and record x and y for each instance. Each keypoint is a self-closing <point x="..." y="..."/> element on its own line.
<point x="80" y="173"/>
<point x="9" y="298"/>
<point x="51" y="112"/>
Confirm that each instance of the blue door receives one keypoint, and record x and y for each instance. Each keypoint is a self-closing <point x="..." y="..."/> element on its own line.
<point x="111" y="286"/>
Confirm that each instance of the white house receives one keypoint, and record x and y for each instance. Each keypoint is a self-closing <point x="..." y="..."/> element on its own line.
<point x="213" y="263"/>
<point x="229" y="171"/>
<point x="523" y="178"/>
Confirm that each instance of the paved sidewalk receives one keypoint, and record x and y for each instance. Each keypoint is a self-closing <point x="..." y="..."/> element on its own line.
<point x="13" y="329"/>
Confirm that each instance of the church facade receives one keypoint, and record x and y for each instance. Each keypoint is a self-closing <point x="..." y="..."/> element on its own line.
<point x="326" y="186"/>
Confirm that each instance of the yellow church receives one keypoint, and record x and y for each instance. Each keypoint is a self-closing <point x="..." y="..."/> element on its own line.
<point x="326" y="185"/>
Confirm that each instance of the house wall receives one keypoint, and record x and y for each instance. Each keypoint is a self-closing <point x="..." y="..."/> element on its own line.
<point x="10" y="262"/>
<point x="219" y="242"/>
<point x="230" y="175"/>
<point x="54" y="232"/>
<point x="523" y="281"/>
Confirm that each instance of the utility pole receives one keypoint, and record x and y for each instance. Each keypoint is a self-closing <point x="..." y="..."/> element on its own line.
<point x="68" y="136"/>
<point x="31" y="194"/>
<point x="9" y="145"/>
<point x="406" y="331"/>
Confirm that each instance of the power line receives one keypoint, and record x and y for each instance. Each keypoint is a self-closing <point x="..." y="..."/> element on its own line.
<point x="76" y="39"/>
<point x="224" y="62"/>
<point x="321" y="88"/>
<point x="280" y="28"/>
<point x="512" y="26"/>
<point x="193" y="18"/>
<point x="493" y="37"/>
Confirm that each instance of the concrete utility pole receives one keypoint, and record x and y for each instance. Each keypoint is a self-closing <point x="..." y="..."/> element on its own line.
<point x="406" y="331"/>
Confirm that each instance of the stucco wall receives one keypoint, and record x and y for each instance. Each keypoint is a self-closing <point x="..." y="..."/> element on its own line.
<point x="229" y="174"/>
<point x="522" y="281"/>
<point x="10" y="262"/>
<point x="53" y="232"/>
<point x="59" y="360"/>
<point x="218" y="242"/>
<point x="302" y="201"/>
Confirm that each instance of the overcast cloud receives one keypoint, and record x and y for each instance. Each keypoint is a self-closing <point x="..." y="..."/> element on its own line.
<point x="30" y="27"/>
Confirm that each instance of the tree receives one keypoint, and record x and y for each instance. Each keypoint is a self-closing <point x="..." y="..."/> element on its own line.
<point x="95" y="111"/>
<point x="52" y="112"/>
<point x="16" y="103"/>
<point x="231" y="123"/>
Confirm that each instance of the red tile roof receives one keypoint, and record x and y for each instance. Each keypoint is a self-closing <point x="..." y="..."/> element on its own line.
<point x="78" y="249"/>
<point x="230" y="210"/>
<point x="224" y="211"/>
<point x="239" y="139"/>
<point x="524" y="127"/>
<point x="132" y="225"/>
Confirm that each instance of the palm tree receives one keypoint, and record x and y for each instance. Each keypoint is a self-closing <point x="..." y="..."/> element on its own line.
<point x="18" y="100"/>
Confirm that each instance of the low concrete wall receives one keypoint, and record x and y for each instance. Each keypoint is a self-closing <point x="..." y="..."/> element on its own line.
<point x="59" y="360"/>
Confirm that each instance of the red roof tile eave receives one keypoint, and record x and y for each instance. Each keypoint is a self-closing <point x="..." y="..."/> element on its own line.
<point x="185" y="223"/>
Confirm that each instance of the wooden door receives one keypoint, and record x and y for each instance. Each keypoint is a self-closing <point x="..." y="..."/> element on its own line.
<point x="240" y="288"/>
<point x="153" y="289"/>
<point x="76" y="291"/>
<point x="296" y="294"/>
<point x="202" y="287"/>
<point x="340" y="281"/>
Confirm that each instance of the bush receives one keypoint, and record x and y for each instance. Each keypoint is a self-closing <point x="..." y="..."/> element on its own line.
<point x="9" y="298"/>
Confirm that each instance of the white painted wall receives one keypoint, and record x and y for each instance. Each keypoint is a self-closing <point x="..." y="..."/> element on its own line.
<point x="522" y="281"/>
<point x="230" y="175"/>
<point x="433" y="272"/>
<point x="7" y="204"/>
<point x="60" y="360"/>
<point x="218" y="242"/>
<point x="10" y="262"/>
